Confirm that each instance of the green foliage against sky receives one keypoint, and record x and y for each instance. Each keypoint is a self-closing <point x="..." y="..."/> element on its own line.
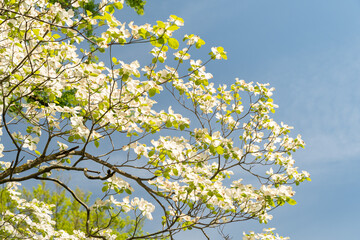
<point x="92" y="6"/>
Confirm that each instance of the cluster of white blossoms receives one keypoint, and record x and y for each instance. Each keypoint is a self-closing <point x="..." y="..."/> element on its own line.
<point x="268" y="234"/>
<point x="193" y="166"/>
<point x="33" y="220"/>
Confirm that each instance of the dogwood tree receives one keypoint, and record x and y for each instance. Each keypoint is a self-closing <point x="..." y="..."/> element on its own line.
<point x="69" y="104"/>
<point x="67" y="215"/>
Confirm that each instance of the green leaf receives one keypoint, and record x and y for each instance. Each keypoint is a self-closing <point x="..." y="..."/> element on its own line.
<point x="173" y="43"/>
<point x="152" y="152"/>
<point x="220" y="150"/>
<point x="173" y="27"/>
<point x="168" y="124"/>
<point x="199" y="43"/>
<point x="155" y="42"/>
<point x="291" y="201"/>
<point x="88" y="13"/>
<point x="56" y="36"/>
<point x="152" y="92"/>
<point x="82" y="26"/>
<point x="220" y="49"/>
<point x="161" y="24"/>
<point x="18" y="77"/>
<point x="97" y="144"/>
<point x="177" y="18"/>
<point x="118" y="5"/>
<point x="162" y="40"/>
<point x="143" y="33"/>
<point x="105" y="188"/>
<point x="107" y="17"/>
<point x="166" y="175"/>
<point x="36" y="31"/>
<point x="157" y="173"/>
<point x="110" y="9"/>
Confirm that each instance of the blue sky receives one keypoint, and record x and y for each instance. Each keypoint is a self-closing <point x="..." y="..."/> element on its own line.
<point x="309" y="50"/>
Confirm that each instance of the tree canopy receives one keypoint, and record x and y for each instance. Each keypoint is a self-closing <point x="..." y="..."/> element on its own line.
<point x="69" y="104"/>
<point x="67" y="215"/>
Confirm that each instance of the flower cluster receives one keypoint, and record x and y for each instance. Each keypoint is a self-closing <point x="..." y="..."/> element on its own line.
<point x="268" y="234"/>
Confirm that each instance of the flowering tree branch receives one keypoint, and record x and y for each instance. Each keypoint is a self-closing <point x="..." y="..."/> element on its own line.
<point x="218" y="158"/>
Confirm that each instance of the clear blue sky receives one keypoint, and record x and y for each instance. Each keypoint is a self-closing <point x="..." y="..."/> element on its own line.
<point x="309" y="50"/>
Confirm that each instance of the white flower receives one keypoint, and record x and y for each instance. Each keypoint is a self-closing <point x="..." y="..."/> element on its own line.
<point x="31" y="142"/>
<point x="62" y="146"/>
<point x="216" y="53"/>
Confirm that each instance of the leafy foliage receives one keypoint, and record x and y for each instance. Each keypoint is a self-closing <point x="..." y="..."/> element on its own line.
<point x="68" y="214"/>
<point x="213" y="156"/>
